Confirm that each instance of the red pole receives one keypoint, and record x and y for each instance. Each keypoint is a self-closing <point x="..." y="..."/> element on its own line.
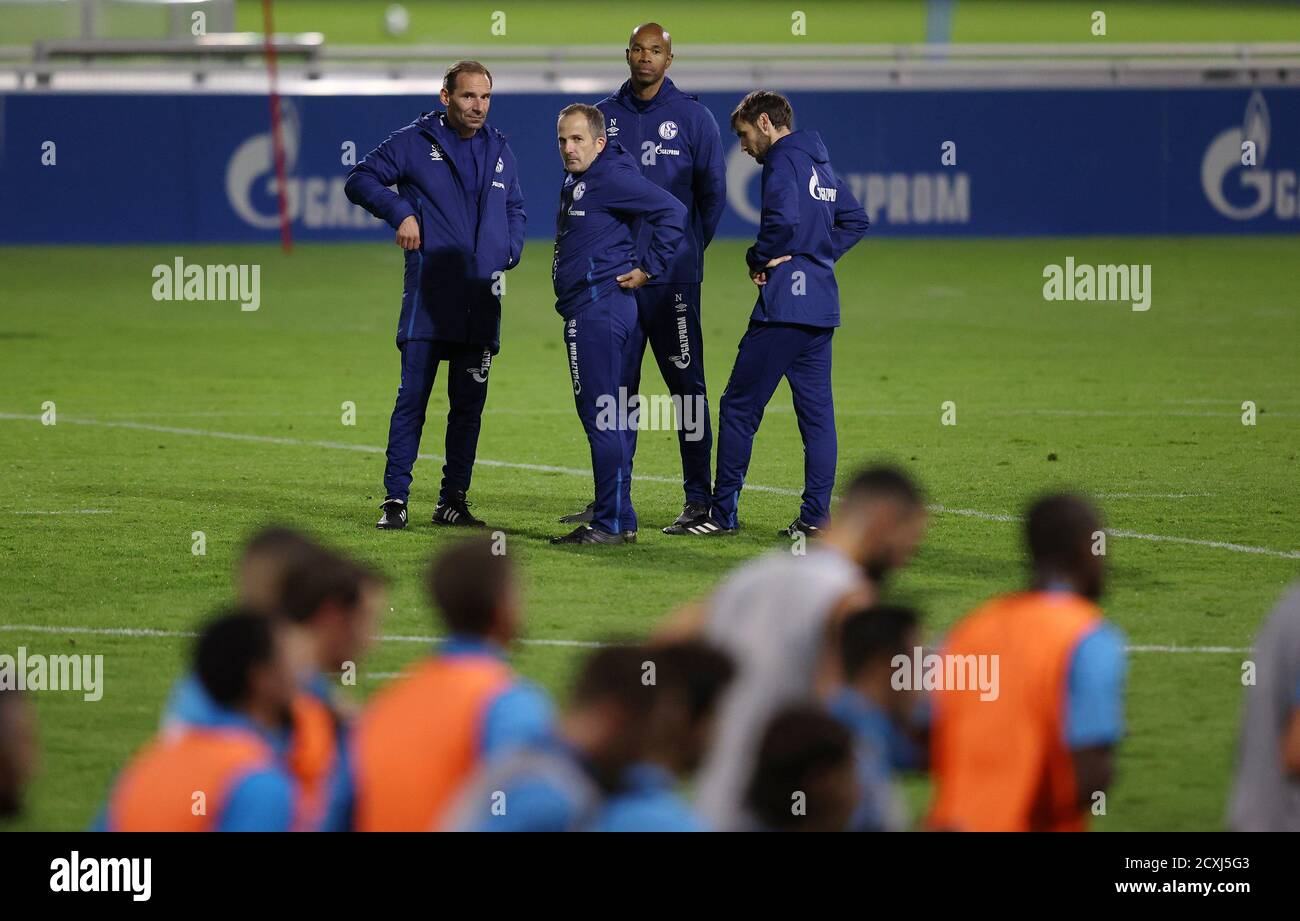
<point x="277" y="131"/>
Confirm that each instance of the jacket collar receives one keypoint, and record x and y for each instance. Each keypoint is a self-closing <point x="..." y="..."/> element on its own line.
<point x="628" y="98"/>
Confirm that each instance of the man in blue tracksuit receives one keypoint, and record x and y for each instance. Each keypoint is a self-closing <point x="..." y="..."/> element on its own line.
<point x="810" y="219"/>
<point x="459" y="214"/>
<point x="597" y="267"/>
<point x="676" y="140"/>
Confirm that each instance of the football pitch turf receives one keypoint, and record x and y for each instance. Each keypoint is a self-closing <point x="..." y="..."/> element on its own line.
<point x="178" y="417"/>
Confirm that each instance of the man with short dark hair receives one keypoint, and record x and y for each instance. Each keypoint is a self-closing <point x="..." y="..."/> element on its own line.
<point x="422" y="735"/>
<point x="810" y="219"/>
<point x="223" y="772"/>
<point x="680" y="150"/>
<point x="597" y="269"/>
<point x="1035" y="754"/>
<point x="459" y="216"/>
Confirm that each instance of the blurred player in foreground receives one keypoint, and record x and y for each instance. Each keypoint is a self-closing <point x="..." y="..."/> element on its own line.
<point x="1035" y="753"/>
<point x="331" y="607"/>
<point x="881" y="717"/>
<point x="269" y="557"/>
<point x="1266" y="790"/>
<point x="560" y="782"/>
<point x="17" y="750"/>
<point x="420" y="737"/>
<point x="223" y="772"/>
<point x="690" y="678"/>
<point x="778" y="615"/>
<point x="803" y="776"/>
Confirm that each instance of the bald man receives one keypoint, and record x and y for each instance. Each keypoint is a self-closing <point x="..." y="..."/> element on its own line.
<point x="676" y="143"/>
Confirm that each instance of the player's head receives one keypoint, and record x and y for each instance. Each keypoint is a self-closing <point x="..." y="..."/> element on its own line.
<point x="242" y="660"/>
<point x="649" y="54"/>
<point x="337" y="601"/>
<point x="869" y="641"/>
<point x="580" y="131"/>
<point x="268" y="558"/>
<point x="1060" y="534"/>
<point x="880" y="520"/>
<point x="804" y="778"/>
<point x="690" y="678"/>
<point x="609" y="710"/>
<point x="17" y="750"/>
<point x="760" y="120"/>
<point x="466" y="95"/>
<point x="475" y="589"/>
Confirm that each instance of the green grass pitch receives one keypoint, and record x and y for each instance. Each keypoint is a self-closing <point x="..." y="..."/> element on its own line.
<point x="177" y="417"/>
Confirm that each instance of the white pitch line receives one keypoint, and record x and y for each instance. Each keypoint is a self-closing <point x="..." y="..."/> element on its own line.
<point x="72" y="511"/>
<point x="1217" y="544"/>
<point x="1135" y="535"/>
<point x="575" y="471"/>
<point x="578" y="644"/>
<point x="1151" y="495"/>
<point x="189" y="634"/>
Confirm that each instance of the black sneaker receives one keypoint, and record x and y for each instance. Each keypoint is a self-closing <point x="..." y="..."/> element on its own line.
<point x="394" y="516"/>
<point x="703" y="526"/>
<point x="585" y="534"/>
<point x="799" y="526"/>
<point x="455" y="511"/>
<point x="690" y="512"/>
<point x="582" y="517"/>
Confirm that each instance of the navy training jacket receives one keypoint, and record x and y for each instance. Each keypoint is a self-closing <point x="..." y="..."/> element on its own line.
<point x="809" y="214"/>
<point x="594" y="241"/>
<point x="467" y="236"/>
<point x="676" y="140"/>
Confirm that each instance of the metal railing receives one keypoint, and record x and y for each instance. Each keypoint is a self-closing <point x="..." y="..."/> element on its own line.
<point x="233" y="62"/>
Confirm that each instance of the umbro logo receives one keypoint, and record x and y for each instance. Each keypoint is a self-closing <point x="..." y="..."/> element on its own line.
<point x="435" y="152"/>
<point x="480" y="374"/>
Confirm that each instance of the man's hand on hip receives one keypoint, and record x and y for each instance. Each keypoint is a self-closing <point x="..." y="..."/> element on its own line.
<point x="408" y="233"/>
<point x="633" y="279"/>
<point x="759" y="276"/>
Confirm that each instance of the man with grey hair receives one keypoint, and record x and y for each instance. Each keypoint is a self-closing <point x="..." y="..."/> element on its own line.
<point x="596" y="270"/>
<point x="680" y="150"/>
